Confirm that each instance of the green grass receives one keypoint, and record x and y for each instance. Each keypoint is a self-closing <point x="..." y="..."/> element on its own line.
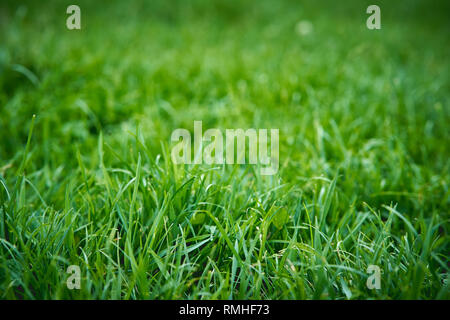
<point x="364" y="150"/>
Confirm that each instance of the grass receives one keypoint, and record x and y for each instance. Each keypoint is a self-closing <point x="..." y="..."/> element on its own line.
<point x="86" y="178"/>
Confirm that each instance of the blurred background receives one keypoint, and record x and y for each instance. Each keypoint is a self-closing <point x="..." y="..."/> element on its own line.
<point x="310" y="68"/>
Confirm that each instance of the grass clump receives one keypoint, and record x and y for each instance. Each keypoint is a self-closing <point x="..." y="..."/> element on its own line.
<point x="88" y="181"/>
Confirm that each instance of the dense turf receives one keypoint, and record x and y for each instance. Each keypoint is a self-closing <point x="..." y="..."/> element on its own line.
<point x="364" y="148"/>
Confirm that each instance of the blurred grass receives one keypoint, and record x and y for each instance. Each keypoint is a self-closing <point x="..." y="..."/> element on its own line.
<point x="368" y="110"/>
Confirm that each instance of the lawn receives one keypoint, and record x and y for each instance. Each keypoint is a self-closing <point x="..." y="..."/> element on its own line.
<point x="86" y="176"/>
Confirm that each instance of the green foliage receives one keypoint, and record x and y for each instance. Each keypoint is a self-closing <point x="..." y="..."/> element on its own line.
<point x="364" y="148"/>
